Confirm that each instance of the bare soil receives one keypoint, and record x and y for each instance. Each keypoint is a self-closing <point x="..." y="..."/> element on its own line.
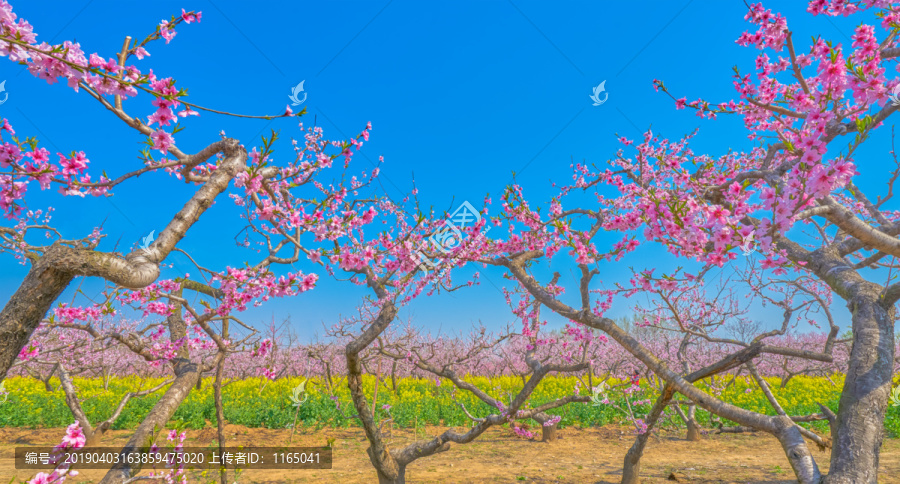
<point x="592" y="455"/>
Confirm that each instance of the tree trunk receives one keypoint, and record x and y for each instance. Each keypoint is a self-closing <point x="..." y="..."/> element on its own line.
<point x="220" y="418"/>
<point x="548" y="433"/>
<point x="693" y="430"/>
<point x="187" y="374"/>
<point x="798" y="453"/>
<point x="631" y="469"/>
<point x="399" y="474"/>
<point x="394" y="377"/>
<point x="28" y="306"/>
<point x="388" y="468"/>
<point x="632" y="466"/>
<point x="859" y="428"/>
<point x="91" y="435"/>
<point x="328" y="380"/>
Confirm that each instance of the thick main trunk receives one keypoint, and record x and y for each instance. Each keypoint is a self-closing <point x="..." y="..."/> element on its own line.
<point x="859" y="428"/>
<point x="187" y="374"/>
<point x="28" y="306"/>
<point x="397" y="475"/>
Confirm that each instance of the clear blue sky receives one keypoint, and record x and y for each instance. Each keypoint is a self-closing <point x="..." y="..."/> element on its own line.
<point x="460" y="93"/>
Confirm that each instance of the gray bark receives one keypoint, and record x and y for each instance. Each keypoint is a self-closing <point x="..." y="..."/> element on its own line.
<point x="693" y="430"/>
<point x="631" y="469"/>
<point x="220" y="418"/>
<point x="393" y="474"/>
<point x="797" y="451"/>
<point x="859" y="427"/>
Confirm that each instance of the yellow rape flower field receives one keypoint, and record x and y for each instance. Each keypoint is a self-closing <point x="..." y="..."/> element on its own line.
<point x="593" y="438"/>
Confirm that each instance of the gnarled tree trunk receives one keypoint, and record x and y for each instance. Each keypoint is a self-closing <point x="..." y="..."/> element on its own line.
<point x="859" y="428"/>
<point x="389" y="470"/>
<point x="693" y="430"/>
<point x="30" y="303"/>
<point x="690" y="421"/>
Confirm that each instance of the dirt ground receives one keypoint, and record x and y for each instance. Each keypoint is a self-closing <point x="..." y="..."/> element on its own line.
<point x="580" y="456"/>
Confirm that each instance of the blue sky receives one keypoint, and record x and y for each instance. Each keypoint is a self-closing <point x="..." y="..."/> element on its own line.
<point x="460" y="95"/>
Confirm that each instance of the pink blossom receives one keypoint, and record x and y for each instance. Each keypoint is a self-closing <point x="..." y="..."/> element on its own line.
<point x="162" y="140"/>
